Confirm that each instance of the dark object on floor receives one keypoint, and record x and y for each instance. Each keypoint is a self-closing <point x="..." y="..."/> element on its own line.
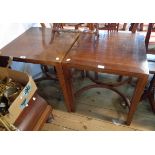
<point x="5" y="61"/>
<point x="35" y="115"/>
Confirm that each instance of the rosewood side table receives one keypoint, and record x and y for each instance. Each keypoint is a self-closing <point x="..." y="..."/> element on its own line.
<point x="120" y="53"/>
<point x="40" y="46"/>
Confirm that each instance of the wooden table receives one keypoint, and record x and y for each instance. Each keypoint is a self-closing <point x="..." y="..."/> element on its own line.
<point x="39" y="46"/>
<point x="121" y="53"/>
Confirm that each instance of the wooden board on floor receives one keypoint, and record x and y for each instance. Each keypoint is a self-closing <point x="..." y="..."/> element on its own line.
<point x="74" y="121"/>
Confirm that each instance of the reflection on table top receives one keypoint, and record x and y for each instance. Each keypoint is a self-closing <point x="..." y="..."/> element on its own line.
<point x="114" y="52"/>
<point x="38" y="45"/>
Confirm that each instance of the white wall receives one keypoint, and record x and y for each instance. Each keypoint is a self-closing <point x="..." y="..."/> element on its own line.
<point x="10" y="31"/>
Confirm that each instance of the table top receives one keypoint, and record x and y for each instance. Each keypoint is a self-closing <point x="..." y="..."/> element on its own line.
<point x="114" y="52"/>
<point x="39" y="45"/>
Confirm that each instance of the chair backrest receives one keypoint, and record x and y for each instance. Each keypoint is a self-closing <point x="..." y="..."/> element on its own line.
<point x="108" y="26"/>
<point x="63" y="26"/>
<point x="113" y="26"/>
<point x="85" y="27"/>
<point x="136" y="27"/>
<point x="148" y="34"/>
<point x="73" y="27"/>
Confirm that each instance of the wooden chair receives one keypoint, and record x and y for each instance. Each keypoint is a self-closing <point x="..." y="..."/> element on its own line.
<point x="74" y="27"/>
<point x="62" y="25"/>
<point x="109" y="26"/>
<point x="150" y="90"/>
<point x="134" y="27"/>
<point x="148" y="38"/>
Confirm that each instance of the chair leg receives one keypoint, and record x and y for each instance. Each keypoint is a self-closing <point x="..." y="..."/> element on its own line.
<point x="120" y="78"/>
<point x="152" y="84"/>
<point x="130" y="80"/>
<point x="151" y="91"/>
<point x="96" y="76"/>
<point x="141" y="26"/>
<point x="152" y="101"/>
<point x="124" y="26"/>
<point x="82" y="74"/>
<point x="87" y="73"/>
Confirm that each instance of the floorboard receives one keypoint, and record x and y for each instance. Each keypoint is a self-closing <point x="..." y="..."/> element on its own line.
<point x="74" y="122"/>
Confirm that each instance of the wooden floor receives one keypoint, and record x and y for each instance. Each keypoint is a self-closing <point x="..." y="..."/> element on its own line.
<point x="96" y="110"/>
<point x="87" y="119"/>
<point x="64" y="121"/>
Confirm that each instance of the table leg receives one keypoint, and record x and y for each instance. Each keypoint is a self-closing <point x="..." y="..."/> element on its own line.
<point x="136" y="98"/>
<point x="65" y="83"/>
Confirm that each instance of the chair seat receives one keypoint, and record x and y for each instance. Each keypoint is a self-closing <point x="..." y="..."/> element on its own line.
<point x="151" y="57"/>
<point x="151" y="67"/>
<point x="151" y="63"/>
